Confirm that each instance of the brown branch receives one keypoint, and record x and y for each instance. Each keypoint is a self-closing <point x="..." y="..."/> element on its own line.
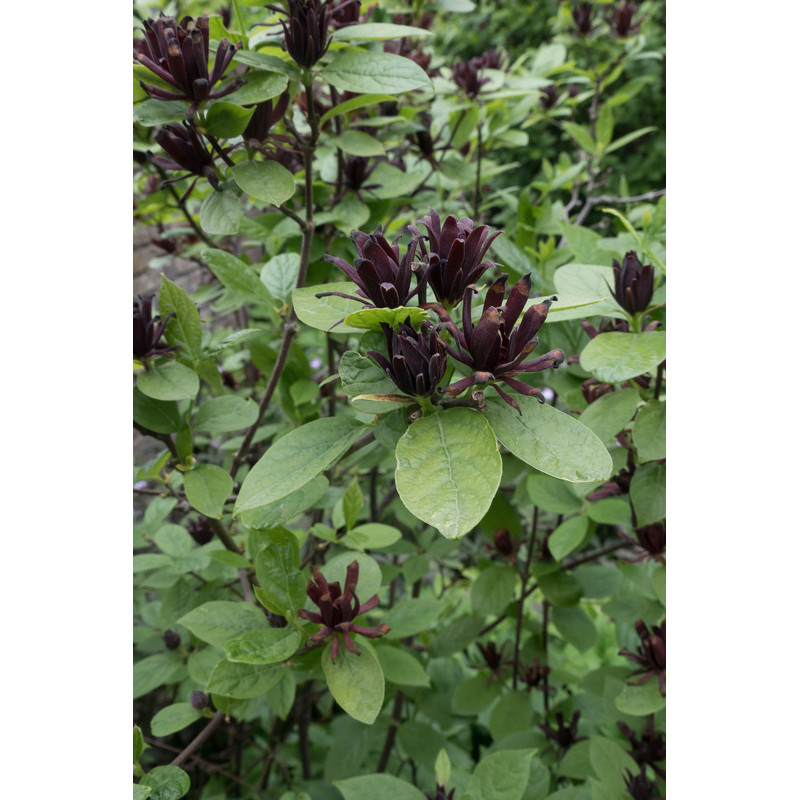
<point x="394" y="722"/>
<point x="198" y="740"/>
<point x="522" y="595"/>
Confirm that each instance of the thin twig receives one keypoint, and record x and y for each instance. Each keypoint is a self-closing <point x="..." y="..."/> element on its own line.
<point x="522" y="595"/>
<point x="198" y="740"/>
<point x="394" y="722"/>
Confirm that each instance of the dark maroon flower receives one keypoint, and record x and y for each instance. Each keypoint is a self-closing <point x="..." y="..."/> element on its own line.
<point x="535" y="677"/>
<point x="648" y="750"/>
<point x="275" y="620"/>
<point x="441" y="793"/>
<point x="455" y="254"/>
<point x="306" y="34"/>
<point x="338" y="610"/>
<point x="147" y="330"/>
<point x="492" y="59"/>
<point x="347" y="12"/>
<point x="549" y="96"/>
<point x="494" y="660"/>
<point x="199" y="700"/>
<point x="505" y="544"/>
<point x="565" y="735"/>
<point x="467" y="76"/>
<point x="620" y="18"/>
<point x="172" y="640"/>
<point x="652" y="539"/>
<point x="416" y="362"/>
<point x="633" y="283"/>
<point x="582" y="15"/>
<point x="266" y="115"/>
<point x="184" y="144"/>
<point x="639" y="787"/>
<point x="382" y="277"/>
<point x="200" y="530"/>
<point x="178" y="54"/>
<point x="494" y="348"/>
<point x="651" y="654"/>
<point x="355" y="172"/>
<point x="592" y="389"/>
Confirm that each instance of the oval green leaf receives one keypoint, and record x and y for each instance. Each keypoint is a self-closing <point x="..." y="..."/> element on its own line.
<point x="221" y="213"/>
<point x="166" y="783"/>
<point x="401" y="668"/>
<point x="295" y="459"/>
<point x="323" y="313"/>
<point x="207" y="488"/>
<point x="280" y="273"/>
<point x="378" y="30"/>
<point x="502" y="775"/>
<point x="224" y="414"/>
<point x="266" y="181"/>
<point x="260" y="86"/>
<point x="448" y="470"/>
<point x="174" y="718"/>
<point x="650" y="431"/>
<point x="369" y="72"/>
<point x="243" y="681"/>
<point x="369" y="787"/>
<point x="219" y="621"/>
<point x="550" y="440"/>
<point x="616" y="356"/>
<point x="263" y="647"/>
<point x="169" y="380"/>
<point x="609" y="414"/>
<point x="371" y="318"/>
<point x="358" y="143"/>
<point x="568" y="536"/>
<point x="355" y="681"/>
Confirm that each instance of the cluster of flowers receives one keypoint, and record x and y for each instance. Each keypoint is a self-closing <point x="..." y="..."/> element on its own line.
<point x="619" y="19"/>
<point x="451" y="261"/>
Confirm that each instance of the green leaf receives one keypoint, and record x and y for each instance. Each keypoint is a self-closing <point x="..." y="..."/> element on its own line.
<point x="362" y="378"/>
<point x="413" y="615"/>
<point x="371" y="318"/>
<point x="184" y="328"/>
<point x="267" y="181"/>
<point x="352" y="501"/>
<point x="420" y="741"/>
<point x="549" y="440"/>
<point x="277" y="565"/>
<point x="370" y="787"/>
<point x="615" y="356"/>
<point x="371" y="536"/>
<point x="649" y="493"/>
<point x="548" y="58"/>
<point x="561" y="588"/>
<point x="221" y="213"/>
<point x="159" y="416"/>
<point x="581" y="136"/>
<point x="174" y="540"/>
<point x="154" y="671"/>
<point x="260" y="86"/>
<point x="512" y="712"/>
<point x="268" y="63"/>
<point x="610" y="511"/>
<point x="243" y="681"/>
<point x="138" y="743"/>
<point x="280" y="273"/>
<point x="400" y="667"/>
<point x="207" y="488"/>
<point x="650" y="431"/>
<point x="358" y="143"/>
<point x="219" y="621"/>
<point x="227" y="120"/>
<point x="166" y="783"/>
<point x="473" y="696"/>
<point x="355" y="681"/>
<point x="456" y="636"/>
<point x="263" y="647"/>
<point x="368" y="72"/>
<point x="629" y="137"/>
<point x="287" y="508"/>
<point x="456" y="6"/>
<point x="502" y="775"/>
<point x="551" y="494"/>
<point x="378" y="30"/>
<point x="568" y="536"/>
<point x="588" y="280"/>
<point x="604" y="129"/>
<point x="659" y="583"/>
<point x="348" y="214"/>
<point x="575" y="625"/>
<point x="173" y="718"/>
<point x="610" y="413"/>
<point x="169" y="380"/>
<point x="493" y="589"/>
<point x="393" y="182"/>
<point x="610" y="761"/>
<point x="295" y="459"/>
<point x="640" y="700"/>
<point x="224" y="414"/>
<point x="448" y="470"/>
<point x="159" y="112"/>
<point x="323" y="313"/>
<point x="442" y="768"/>
<point x="353" y="103"/>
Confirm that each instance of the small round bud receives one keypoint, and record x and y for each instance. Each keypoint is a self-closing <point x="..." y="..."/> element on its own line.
<point x="199" y="700"/>
<point x="171" y="640"/>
